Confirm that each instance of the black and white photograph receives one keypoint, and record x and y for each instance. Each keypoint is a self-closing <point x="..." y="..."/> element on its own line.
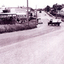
<point x="31" y="32"/>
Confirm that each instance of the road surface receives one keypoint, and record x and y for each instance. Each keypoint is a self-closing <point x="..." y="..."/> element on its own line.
<point x="42" y="45"/>
<point x="43" y="49"/>
<point x="13" y="37"/>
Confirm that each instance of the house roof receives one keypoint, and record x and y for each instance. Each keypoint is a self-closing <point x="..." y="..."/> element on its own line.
<point x="16" y="10"/>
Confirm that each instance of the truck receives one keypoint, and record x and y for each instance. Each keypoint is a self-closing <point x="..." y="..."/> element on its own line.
<point x="54" y="22"/>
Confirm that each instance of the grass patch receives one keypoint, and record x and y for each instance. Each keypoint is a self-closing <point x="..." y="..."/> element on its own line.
<point x="16" y="27"/>
<point x="11" y="27"/>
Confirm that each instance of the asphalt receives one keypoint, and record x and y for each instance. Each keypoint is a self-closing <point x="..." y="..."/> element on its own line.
<point x="42" y="45"/>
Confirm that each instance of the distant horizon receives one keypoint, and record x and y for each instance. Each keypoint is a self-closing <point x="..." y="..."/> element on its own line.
<point x="33" y="3"/>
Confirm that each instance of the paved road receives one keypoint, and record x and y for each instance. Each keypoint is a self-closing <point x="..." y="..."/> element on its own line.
<point x="10" y="38"/>
<point x="13" y="37"/>
<point x="43" y="49"/>
<point x="42" y="45"/>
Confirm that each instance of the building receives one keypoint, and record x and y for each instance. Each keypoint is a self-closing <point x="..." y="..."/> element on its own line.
<point x="19" y="10"/>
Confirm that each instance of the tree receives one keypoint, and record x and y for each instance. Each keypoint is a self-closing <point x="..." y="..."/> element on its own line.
<point x="57" y="7"/>
<point x="47" y="8"/>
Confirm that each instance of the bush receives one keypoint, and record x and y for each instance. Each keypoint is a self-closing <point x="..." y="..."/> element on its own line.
<point x="16" y="27"/>
<point x="11" y="27"/>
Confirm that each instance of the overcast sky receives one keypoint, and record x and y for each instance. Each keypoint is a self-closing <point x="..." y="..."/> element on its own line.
<point x="32" y="3"/>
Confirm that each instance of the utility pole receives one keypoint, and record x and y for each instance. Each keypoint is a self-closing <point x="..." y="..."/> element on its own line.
<point x="27" y="13"/>
<point x="36" y="13"/>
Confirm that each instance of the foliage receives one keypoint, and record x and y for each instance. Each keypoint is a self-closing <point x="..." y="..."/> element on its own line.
<point x="47" y="8"/>
<point x="57" y="7"/>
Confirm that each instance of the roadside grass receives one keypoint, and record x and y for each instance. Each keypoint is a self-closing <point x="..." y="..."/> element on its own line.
<point x="16" y="27"/>
<point x="11" y="28"/>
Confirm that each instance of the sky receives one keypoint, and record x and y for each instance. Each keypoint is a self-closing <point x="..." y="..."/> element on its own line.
<point x="32" y="3"/>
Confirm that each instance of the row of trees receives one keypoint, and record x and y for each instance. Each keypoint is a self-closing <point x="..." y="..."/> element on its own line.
<point x="54" y="7"/>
